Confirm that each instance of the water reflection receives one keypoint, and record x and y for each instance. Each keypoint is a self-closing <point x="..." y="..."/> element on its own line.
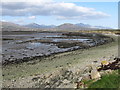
<point x="34" y="45"/>
<point x="81" y="40"/>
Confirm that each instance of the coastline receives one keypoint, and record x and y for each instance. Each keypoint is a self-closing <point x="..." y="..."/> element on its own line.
<point x="74" y="59"/>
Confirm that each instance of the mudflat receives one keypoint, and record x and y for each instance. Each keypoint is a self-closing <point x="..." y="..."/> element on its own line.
<point x="26" y="46"/>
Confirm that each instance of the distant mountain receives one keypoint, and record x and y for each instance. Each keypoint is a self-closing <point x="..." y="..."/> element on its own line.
<point x="69" y="26"/>
<point x="35" y="25"/>
<point x="90" y="26"/>
<point x="9" y="26"/>
<point x="101" y="27"/>
<point x="78" y="26"/>
<point x="83" y="25"/>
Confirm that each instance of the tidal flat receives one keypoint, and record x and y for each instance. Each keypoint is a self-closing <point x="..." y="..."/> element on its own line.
<point x="25" y="46"/>
<point x="18" y="72"/>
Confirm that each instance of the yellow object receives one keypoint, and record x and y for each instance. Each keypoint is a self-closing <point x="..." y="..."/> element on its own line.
<point x="104" y="62"/>
<point x="98" y="67"/>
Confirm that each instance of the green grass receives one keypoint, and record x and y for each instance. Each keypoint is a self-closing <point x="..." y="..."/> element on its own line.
<point x="107" y="81"/>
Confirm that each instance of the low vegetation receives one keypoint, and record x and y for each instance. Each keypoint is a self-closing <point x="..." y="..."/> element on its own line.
<point x="107" y="81"/>
<point x="106" y="31"/>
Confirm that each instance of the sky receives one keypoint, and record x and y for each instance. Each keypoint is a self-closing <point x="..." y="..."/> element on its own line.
<point x="56" y="12"/>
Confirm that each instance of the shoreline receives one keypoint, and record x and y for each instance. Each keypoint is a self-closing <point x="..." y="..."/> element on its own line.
<point x="74" y="59"/>
<point x="27" y="59"/>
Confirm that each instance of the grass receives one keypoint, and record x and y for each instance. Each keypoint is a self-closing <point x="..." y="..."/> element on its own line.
<point x="107" y="81"/>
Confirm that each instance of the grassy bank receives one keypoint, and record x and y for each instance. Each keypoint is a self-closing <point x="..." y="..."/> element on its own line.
<point x="107" y="81"/>
<point x="78" y="58"/>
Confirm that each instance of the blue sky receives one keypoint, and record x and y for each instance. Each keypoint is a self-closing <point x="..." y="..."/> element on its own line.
<point x="110" y="8"/>
<point x="108" y="17"/>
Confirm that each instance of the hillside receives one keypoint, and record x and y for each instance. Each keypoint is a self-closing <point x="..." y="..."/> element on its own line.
<point x="69" y="26"/>
<point x="35" y="25"/>
<point x="8" y="26"/>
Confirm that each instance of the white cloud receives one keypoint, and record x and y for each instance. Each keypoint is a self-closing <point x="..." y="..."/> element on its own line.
<point x="60" y="0"/>
<point x="50" y="8"/>
<point x="19" y="20"/>
<point x="32" y="17"/>
<point x="27" y="0"/>
<point x="87" y="0"/>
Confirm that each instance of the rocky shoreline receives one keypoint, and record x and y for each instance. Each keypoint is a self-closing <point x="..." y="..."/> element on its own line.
<point x="71" y="78"/>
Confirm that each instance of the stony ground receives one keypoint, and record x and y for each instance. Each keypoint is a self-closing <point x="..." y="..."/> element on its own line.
<point x="30" y="73"/>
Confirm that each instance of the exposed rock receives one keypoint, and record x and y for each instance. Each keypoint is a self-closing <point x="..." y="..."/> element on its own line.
<point x="35" y="78"/>
<point x="95" y="61"/>
<point x="95" y="74"/>
<point x="57" y="83"/>
<point x="104" y="62"/>
<point x="87" y="69"/>
<point x="103" y="72"/>
<point x="63" y="70"/>
<point x="75" y="78"/>
<point x="47" y="86"/>
<point x="47" y="80"/>
<point x="77" y="71"/>
<point x="66" y="81"/>
<point x="72" y="77"/>
<point x="13" y="80"/>
<point x="79" y="79"/>
<point x="113" y="65"/>
<point x="98" y="67"/>
<point x="86" y="76"/>
<point x="70" y="85"/>
<point x="109" y="71"/>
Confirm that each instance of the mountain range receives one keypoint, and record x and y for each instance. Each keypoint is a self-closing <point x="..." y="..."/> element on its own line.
<point x="8" y="26"/>
<point x="65" y="26"/>
<point x="35" y="25"/>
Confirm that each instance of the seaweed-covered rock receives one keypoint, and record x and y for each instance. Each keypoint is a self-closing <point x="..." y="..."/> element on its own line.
<point x="104" y="62"/>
